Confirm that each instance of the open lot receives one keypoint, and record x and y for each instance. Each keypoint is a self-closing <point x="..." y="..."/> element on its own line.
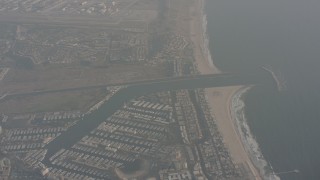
<point x="59" y="78"/>
<point x="60" y="101"/>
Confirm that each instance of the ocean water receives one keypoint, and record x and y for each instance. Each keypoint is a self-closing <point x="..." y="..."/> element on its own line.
<point x="283" y="35"/>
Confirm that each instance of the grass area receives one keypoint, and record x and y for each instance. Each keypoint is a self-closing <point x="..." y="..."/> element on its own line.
<point x="65" y="101"/>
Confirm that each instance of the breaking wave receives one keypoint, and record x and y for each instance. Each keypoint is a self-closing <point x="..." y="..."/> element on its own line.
<point x="248" y="140"/>
<point x="205" y="36"/>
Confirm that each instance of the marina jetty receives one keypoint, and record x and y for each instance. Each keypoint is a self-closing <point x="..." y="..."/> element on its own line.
<point x="279" y="81"/>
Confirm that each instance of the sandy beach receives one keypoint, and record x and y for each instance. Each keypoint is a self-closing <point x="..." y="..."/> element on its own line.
<point x="219" y="99"/>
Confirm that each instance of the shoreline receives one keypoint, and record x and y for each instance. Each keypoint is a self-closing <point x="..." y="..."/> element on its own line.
<point x="199" y="37"/>
<point x="247" y="138"/>
<point x="221" y="101"/>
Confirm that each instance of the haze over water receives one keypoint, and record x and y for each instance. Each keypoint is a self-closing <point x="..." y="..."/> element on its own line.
<point x="284" y="34"/>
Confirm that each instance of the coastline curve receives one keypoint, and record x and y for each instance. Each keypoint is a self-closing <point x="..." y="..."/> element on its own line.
<point x="246" y="136"/>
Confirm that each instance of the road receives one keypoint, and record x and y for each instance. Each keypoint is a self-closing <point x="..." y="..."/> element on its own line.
<point x="58" y="20"/>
